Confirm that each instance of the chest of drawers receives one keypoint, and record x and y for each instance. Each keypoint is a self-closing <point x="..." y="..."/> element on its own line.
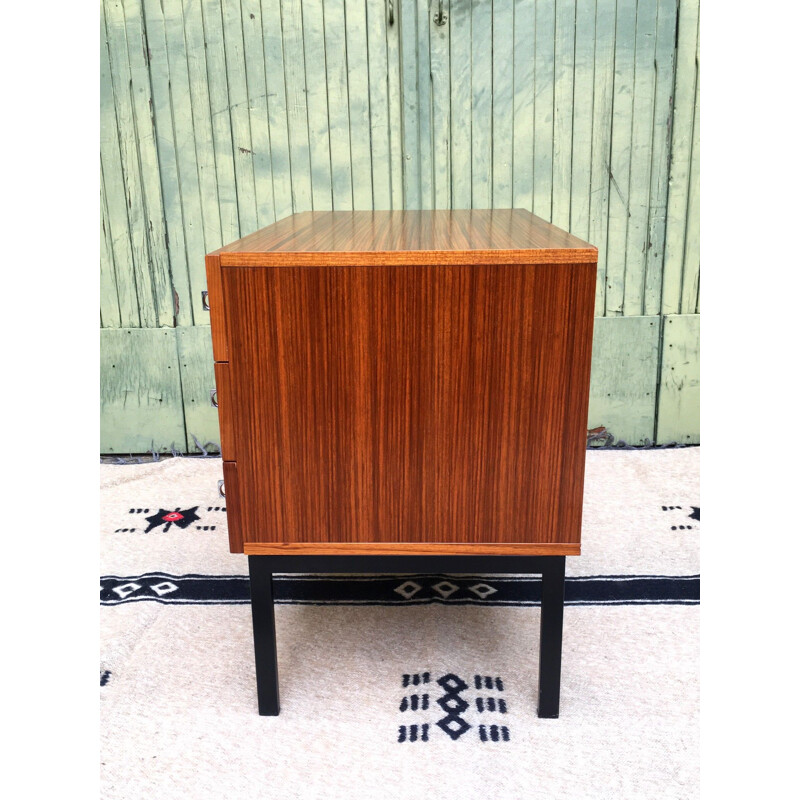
<point x="402" y="385"/>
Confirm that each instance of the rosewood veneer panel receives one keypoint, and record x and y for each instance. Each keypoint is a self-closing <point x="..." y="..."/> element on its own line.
<point x="413" y="404"/>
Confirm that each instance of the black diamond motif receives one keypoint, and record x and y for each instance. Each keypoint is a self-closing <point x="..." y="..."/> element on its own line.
<point x="454" y="726"/>
<point x="452" y="683"/>
<point x="453" y="704"/>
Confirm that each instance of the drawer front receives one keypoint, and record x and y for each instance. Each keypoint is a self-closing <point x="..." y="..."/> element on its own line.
<point x="233" y="506"/>
<point x="225" y="410"/>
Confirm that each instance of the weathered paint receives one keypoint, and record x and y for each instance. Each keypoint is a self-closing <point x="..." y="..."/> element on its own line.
<point x="196" y="364"/>
<point x="319" y="143"/>
<point x="624" y="375"/>
<point x="440" y="106"/>
<point x="141" y="405"/>
<point x="221" y="116"/>
<point x="524" y="54"/>
<point x="481" y="80"/>
<point x="659" y="170"/>
<point x="581" y="166"/>
<point x="603" y="103"/>
<point x="563" y="110"/>
<point x="681" y="157"/>
<point x="543" y="131"/>
<point x="679" y="386"/>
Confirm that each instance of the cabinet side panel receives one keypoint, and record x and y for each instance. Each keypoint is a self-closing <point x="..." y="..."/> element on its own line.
<point x="408" y="404"/>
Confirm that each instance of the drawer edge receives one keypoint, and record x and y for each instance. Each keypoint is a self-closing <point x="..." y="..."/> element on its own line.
<point x="233" y="507"/>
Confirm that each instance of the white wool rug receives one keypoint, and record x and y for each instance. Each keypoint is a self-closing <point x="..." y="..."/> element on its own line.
<point x="366" y="662"/>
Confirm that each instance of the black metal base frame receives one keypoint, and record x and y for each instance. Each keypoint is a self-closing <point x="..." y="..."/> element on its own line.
<point x="551" y="568"/>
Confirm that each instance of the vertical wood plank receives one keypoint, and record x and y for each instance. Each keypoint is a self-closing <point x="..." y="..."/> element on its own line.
<point x="563" y="89"/>
<point x="109" y="303"/>
<point x="317" y="104"/>
<point x="524" y="53"/>
<point x="425" y="106"/>
<point x="296" y="106"/>
<point x="238" y="109"/>
<point x="605" y="22"/>
<point x="620" y="166"/>
<point x="502" y="105"/>
<point x="145" y="134"/>
<point x="641" y="157"/>
<point x="274" y="67"/>
<point x="188" y="16"/>
<point x="690" y="291"/>
<point x="358" y="96"/>
<point x="680" y="155"/>
<point x="481" y="104"/>
<point x="122" y="83"/>
<point x="174" y="244"/>
<point x="659" y="172"/>
<point x="543" y="109"/>
<point x="216" y="66"/>
<point x="412" y="188"/>
<point x="439" y="43"/>
<point x="393" y="81"/>
<point x="461" y="103"/>
<point x="679" y="387"/>
<point x="581" y="165"/>
<point x="116" y="204"/>
<point x="257" y="103"/>
<point x="189" y="144"/>
<point x="379" y="105"/>
<point x="338" y="105"/>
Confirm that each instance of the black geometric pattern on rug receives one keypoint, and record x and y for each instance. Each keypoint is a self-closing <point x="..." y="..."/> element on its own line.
<point x="494" y="590"/>
<point x="455" y="705"/>
<point x="183" y="518"/>
<point x="164" y="518"/>
<point x="493" y="733"/>
<point x="693" y="514"/>
<point x="104" y="676"/>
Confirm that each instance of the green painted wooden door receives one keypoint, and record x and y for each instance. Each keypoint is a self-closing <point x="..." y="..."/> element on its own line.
<point x="221" y="116"/>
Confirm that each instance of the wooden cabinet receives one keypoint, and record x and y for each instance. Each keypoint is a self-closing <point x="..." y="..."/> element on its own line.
<point x="404" y="383"/>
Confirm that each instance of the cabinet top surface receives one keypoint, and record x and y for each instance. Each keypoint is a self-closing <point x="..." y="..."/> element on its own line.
<point x="389" y="232"/>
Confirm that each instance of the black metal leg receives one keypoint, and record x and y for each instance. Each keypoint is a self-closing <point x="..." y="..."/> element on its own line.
<point x="264" y="635"/>
<point x="550" y="638"/>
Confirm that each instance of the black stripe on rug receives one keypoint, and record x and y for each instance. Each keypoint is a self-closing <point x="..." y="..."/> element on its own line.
<point x="401" y="590"/>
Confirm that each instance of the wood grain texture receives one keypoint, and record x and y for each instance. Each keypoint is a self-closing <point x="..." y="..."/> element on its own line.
<point x="217" y="308"/>
<point x="419" y="404"/>
<point x="408" y="237"/>
<point x="408" y="549"/>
